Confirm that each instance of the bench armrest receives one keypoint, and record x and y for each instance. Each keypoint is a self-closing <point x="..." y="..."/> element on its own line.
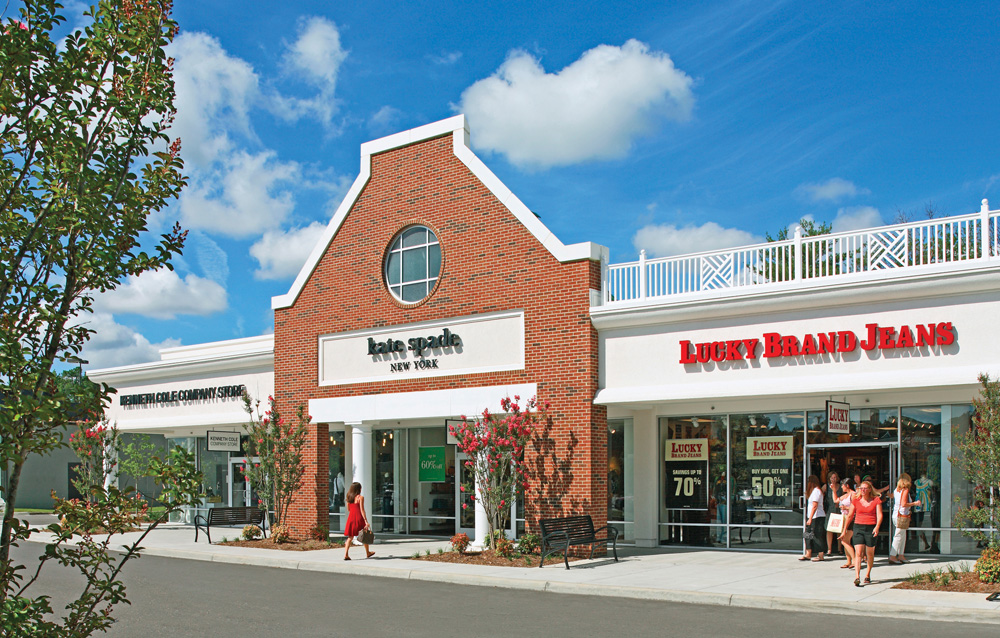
<point x="548" y="538"/>
<point x="609" y="530"/>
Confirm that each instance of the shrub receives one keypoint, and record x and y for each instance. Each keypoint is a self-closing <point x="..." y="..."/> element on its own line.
<point x="319" y="533"/>
<point x="251" y="533"/>
<point x="280" y="534"/>
<point x="528" y="544"/>
<point x="493" y="537"/>
<point x="460" y="543"/>
<point x="504" y="547"/>
<point x="988" y="565"/>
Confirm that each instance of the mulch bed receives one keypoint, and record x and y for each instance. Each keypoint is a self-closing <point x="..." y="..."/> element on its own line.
<point x="963" y="582"/>
<point x="290" y="546"/>
<point x="491" y="559"/>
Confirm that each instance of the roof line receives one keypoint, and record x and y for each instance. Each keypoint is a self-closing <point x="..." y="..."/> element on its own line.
<point x="459" y="130"/>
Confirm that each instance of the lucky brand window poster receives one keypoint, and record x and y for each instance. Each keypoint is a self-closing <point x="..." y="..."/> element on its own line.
<point x="686" y="466"/>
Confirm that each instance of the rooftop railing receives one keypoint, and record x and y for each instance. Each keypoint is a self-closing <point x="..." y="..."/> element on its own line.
<point x="900" y="248"/>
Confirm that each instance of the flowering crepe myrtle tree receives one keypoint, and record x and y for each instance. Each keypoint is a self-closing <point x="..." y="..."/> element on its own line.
<point x="98" y="446"/>
<point x="278" y="445"/>
<point x="495" y="443"/>
<point x="85" y="160"/>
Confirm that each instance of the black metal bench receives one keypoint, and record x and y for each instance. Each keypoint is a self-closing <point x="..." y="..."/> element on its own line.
<point x="229" y="516"/>
<point x="559" y="534"/>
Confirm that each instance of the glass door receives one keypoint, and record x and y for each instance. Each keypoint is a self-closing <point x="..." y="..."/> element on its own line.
<point x="465" y="505"/>
<point x="241" y="493"/>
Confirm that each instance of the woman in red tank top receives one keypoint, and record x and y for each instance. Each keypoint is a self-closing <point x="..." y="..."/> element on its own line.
<point x="357" y="520"/>
<point x="866" y="513"/>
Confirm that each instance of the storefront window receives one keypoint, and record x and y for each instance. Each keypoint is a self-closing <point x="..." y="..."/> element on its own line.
<point x="338" y="486"/>
<point x="867" y="424"/>
<point x="214" y="467"/>
<point x="927" y="435"/>
<point x="432" y="482"/>
<point x="387" y="496"/>
<point x="693" y="459"/>
<point x="766" y="480"/>
<point x="621" y="486"/>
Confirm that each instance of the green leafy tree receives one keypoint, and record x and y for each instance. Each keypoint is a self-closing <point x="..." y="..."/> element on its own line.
<point x="85" y="159"/>
<point x="979" y="458"/>
<point x="277" y="444"/>
<point x="778" y="267"/>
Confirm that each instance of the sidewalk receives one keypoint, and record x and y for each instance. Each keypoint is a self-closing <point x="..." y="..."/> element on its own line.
<point x="738" y="579"/>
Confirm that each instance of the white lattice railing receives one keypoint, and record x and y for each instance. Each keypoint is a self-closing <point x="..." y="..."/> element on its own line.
<point x="899" y="247"/>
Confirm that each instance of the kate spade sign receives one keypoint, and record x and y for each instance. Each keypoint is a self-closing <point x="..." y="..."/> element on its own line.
<point x="462" y="345"/>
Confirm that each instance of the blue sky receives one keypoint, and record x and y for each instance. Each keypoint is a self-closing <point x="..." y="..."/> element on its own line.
<point x="674" y="127"/>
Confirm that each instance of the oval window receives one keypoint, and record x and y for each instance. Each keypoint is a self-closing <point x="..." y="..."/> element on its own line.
<point x="412" y="264"/>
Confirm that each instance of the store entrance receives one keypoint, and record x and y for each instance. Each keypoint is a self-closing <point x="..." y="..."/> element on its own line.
<point x="856" y="461"/>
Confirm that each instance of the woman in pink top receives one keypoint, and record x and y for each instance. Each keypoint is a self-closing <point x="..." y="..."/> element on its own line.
<point x="866" y="514"/>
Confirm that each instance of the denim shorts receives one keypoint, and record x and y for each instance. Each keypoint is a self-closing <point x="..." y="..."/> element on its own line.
<point x="864" y="535"/>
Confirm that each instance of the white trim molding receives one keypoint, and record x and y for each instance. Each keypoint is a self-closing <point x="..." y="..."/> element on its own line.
<point x="400" y="406"/>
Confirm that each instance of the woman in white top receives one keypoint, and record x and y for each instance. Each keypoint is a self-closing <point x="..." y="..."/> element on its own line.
<point x="815" y="520"/>
<point x="845" y="508"/>
<point x="901" y="504"/>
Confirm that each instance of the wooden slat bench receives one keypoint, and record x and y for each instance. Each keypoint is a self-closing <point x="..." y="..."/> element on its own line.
<point x="559" y="534"/>
<point x="228" y="516"/>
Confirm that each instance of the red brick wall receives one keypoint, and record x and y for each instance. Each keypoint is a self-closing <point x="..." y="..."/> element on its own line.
<point x="490" y="263"/>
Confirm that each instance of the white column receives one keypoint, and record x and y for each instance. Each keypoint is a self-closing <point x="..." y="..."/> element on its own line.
<point x="482" y="525"/>
<point x="646" y="439"/>
<point x="361" y="461"/>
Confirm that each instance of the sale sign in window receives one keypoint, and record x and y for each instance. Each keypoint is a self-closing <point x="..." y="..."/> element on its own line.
<point x="686" y="462"/>
<point x="770" y="462"/>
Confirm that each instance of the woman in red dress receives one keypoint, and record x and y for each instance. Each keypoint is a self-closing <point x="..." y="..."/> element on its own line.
<point x="357" y="520"/>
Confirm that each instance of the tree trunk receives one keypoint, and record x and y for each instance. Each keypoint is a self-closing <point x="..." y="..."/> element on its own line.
<point x="8" y="517"/>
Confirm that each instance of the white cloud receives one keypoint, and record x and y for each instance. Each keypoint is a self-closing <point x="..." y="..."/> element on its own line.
<point x="856" y="218"/>
<point x="281" y="254"/>
<point x="447" y="58"/>
<point x="214" y="94"/>
<point x="592" y="109"/>
<point x="315" y="56"/>
<point x="385" y="119"/>
<point x="664" y="240"/>
<point x="832" y="190"/>
<point x="116" y="345"/>
<point x="162" y="294"/>
<point x="245" y="195"/>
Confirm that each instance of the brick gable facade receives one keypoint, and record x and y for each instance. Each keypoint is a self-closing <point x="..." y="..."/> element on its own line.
<point x="490" y="262"/>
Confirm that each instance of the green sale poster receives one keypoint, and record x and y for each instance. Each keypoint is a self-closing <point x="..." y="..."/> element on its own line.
<point x="432" y="464"/>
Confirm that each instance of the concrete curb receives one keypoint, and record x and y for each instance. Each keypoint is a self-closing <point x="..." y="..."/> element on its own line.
<point x="824" y="606"/>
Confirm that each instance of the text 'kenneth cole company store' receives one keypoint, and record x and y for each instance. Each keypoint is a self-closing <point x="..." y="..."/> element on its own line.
<point x="691" y="396"/>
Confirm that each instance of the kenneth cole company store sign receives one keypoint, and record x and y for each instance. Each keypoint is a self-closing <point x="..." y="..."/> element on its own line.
<point x="462" y="345"/>
<point x="187" y="395"/>
<point x="774" y="344"/>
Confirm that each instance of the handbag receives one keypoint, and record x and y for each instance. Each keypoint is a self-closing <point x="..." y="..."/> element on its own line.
<point x="902" y="521"/>
<point x="366" y="536"/>
<point x="835" y="523"/>
<point x="808" y="534"/>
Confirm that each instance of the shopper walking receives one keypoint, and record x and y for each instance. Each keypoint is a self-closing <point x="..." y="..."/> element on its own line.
<point x="830" y="501"/>
<point x="901" y="511"/>
<point x="357" y="520"/>
<point x="815" y="520"/>
<point x="845" y="538"/>
<point x="866" y="514"/>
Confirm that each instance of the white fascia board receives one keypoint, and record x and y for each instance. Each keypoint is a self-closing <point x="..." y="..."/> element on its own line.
<point x="811" y="384"/>
<point x="400" y="406"/>
<point x="170" y="369"/>
<point x="945" y="282"/>
<point x="201" y="351"/>
<point x="459" y="130"/>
